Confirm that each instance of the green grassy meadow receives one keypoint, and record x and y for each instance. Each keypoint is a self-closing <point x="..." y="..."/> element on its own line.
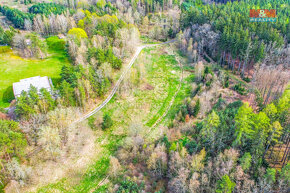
<point x="13" y="68"/>
<point x="143" y="106"/>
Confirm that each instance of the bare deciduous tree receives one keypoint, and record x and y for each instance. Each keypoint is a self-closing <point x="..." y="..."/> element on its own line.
<point x="194" y="184"/>
<point x="30" y="45"/>
<point x="27" y="25"/>
<point x="50" y="141"/>
<point x="53" y="24"/>
<point x="199" y="71"/>
<point x="270" y="81"/>
<point x="127" y="40"/>
<point x="17" y="172"/>
<point x="179" y="183"/>
<point x="197" y="161"/>
<point x="115" y="167"/>
<point x="157" y="162"/>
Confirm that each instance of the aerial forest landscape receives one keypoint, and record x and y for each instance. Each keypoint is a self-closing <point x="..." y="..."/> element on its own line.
<point x="144" y="96"/>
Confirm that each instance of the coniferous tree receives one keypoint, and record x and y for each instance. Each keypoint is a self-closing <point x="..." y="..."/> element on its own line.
<point x="107" y="122"/>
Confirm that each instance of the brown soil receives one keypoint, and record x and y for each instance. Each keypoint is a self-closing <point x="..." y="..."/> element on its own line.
<point x="147" y="87"/>
<point x="3" y="116"/>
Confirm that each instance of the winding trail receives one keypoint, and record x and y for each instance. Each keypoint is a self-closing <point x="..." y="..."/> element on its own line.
<point x="115" y="88"/>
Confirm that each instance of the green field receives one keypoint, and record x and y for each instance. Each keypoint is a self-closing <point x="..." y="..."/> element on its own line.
<point x="13" y="68"/>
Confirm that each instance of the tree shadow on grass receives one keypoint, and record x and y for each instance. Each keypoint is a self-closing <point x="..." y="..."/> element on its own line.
<point x="55" y="81"/>
<point x="8" y="95"/>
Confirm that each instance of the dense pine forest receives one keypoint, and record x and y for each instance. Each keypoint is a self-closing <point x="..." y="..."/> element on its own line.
<point x="148" y="96"/>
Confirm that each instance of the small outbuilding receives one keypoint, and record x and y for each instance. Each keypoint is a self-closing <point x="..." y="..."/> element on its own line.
<point x="37" y="81"/>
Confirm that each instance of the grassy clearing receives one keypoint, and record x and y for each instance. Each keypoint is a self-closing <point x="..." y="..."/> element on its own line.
<point x="164" y="73"/>
<point x="185" y="90"/>
<point x="179" y="100"/>
<point x="13" y="68"/>
<point x="154" y="67"/>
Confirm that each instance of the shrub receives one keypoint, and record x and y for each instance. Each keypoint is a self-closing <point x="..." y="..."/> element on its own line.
<point x="190" y="106"/>
<point x="227" y="82"/>
<point x="107" y="122"/>
<point x="12" y="140"/>
<point x="4" y="49"/>
<point x="270" y="175"/>
<point x="285" y="175"/>
<point x="91" y="122"/>
<point x="259" y="100"/>
<point x="247" y="79"/>
<point x="196" y="108"/>
<point x="26" y="2"/>
<point x="225" y="185"/>
<point x="78" y="32"/>
<point x="180" y="116"/>
<point x="55" y="43"/>
<point x="246" y="161"/>
<point x="195" y="92"/>
<point x="165" y="141"/>
<point x="220" y="104"/>
<point x="235" y="105"/>
<point x="191" y="147"/>
<point x="116" y="63"/>
<point x="129" y="186"/>
<point x="240" y="89"/>
<point x="206" y="59"/>
<point x="206" y="70"/>
<point x="171" y="34"/>
<point x="103" y="56"/>
<point x="18" y="172"/>
<point x="173" y="147"/>
<point x="208" y="83"/>
<point x="6" y="37"/>
<point x="50" y="140"/>
<point x="3" y="110"/>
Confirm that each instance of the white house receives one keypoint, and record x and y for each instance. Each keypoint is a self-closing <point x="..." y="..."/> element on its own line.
<point x="37" y="81"/>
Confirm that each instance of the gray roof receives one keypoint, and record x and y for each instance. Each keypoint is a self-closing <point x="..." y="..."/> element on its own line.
<point x="37" y="81"/>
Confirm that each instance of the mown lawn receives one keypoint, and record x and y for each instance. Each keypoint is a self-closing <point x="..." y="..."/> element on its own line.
<point x="142" y="106"/>
<point x="13" y="68"/>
